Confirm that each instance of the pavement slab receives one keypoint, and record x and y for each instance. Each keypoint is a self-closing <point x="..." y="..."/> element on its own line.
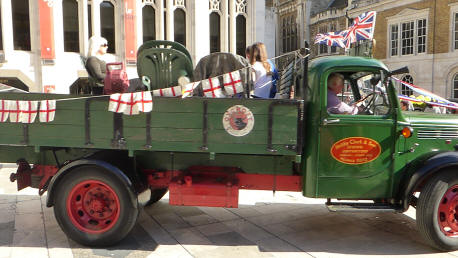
<point x="283" y="224"/>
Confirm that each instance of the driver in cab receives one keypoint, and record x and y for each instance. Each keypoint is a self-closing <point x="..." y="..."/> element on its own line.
<point x="335" y="105"/>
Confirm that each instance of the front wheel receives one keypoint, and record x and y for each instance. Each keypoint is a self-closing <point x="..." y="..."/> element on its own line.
<point x="437" y="211"/>
<point x="93" y="207"/>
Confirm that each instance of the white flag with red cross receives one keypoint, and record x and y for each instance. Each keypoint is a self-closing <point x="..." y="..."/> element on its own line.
<point x="28" y="111"/>
<point x="4" y="110"/>
<point x="47" y="110"/>
<point x="212" y="88"/>
<point x="13" y="106"/>
<point x="144" y="101"/>
<point x="123" y="103"/>
<point x="188" y="89"/>
<point x="168" y="92"/>
<point x="232" y="83"/>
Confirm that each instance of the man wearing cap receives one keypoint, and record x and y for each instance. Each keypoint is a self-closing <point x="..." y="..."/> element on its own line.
<point x="335" y="105"/>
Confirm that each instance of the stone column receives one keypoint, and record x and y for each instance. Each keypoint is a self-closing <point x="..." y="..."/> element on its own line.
<point x="83" y="22"/>
<point x="160" y="34"/>
<point x="201" y="40"/>
<point x="95" y="17"/>
<point x="7" y="28"/>
<point x="224" y="26"/>
<point x="169" y="18"/>
<point x="232" y="25"/>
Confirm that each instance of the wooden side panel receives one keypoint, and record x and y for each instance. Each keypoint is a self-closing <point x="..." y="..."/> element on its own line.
<point x="174" y="125"/>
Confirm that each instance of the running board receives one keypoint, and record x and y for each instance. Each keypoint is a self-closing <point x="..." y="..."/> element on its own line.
<point x="360" y="207"/>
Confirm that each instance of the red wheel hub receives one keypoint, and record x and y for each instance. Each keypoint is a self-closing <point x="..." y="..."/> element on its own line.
<point x="93" y="206"/>
<point x="448" y="212"/>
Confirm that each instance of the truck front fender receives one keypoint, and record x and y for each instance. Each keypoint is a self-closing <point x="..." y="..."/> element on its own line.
<point x="116" y="172"/>
<point x="417" y="174"/>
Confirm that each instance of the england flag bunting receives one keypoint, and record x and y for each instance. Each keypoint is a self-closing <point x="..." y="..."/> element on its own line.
<point x="168" y="92"/>
<point x="188" y="89"/>
<point x="131" y="103"/>
<point x="212" y="88"/>
<point x="13" y="106"/>
<point x="232" y="83"/>
<point x="28" y="111"/>
<point x="47" y="110"/>
<point x="123" y="103"/>
<point x="144" y="101"/>
<point x="4" y="110"/>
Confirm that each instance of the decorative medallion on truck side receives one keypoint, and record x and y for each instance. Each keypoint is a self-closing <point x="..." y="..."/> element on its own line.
<point x="238" y="121"/>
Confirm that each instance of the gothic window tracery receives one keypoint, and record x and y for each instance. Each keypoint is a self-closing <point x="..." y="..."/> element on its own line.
<point x="179" y="3"/>
<point x="241" y="6"/>
<point x="215" y="5"/>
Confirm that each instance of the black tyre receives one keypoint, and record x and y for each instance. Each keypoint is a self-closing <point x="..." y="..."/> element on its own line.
<point x="93" y="207"/>
<point x="437" y="211"/>
<point x="156" y="195"/>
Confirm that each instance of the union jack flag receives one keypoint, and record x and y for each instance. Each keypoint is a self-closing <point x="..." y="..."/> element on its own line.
<point x="362" y="28"/>
<point x="332" y="39"/>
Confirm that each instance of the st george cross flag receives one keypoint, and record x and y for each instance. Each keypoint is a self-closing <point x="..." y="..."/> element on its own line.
<point x="123" y="103"/>
<point x="362" y="28"/>
<point x="232" y="83"/>
<point x="188" y="89"/>
<point x="13" y="106"/>
<point x="4" y="110"/>
<point x="212" y="88"/>
<point x="168" y="92"/>
<point x="144" y="101"/>
<point x="47" y="110"/>
<point x="28" y="111"/>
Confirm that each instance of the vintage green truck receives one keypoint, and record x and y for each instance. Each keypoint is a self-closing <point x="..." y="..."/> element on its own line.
<point x="94" y="164"/>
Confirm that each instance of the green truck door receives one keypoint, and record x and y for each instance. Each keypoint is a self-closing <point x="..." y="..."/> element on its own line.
<point x="355" y="152"/>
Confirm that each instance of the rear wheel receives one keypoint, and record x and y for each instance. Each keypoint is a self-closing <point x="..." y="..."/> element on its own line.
<point x="437" y="211"/>
<point x="93" y="207"/>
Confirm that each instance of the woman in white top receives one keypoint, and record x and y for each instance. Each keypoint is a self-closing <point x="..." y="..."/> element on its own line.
<point x="262" y="75"/>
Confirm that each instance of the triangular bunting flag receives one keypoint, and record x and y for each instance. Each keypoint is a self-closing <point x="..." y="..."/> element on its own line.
<point x="13" y="106"/>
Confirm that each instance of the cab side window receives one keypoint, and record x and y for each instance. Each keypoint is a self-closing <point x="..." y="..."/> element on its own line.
<point x="357" y="93"/>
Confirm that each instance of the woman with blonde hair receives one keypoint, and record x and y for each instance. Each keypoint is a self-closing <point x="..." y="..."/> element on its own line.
<point x="95" y="65"/>
<point x="261" y="70"/>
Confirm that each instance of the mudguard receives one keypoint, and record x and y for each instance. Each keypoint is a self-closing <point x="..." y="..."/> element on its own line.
<point x="424" y="170"/>
<point x="102" y="164"/>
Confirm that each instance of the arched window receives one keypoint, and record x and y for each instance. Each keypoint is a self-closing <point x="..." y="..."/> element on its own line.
<point x="180" y="26"/>
<point x="404" y="89"/>
<point x="215" y="38"/>
<point x="455" y="86"/>
<point x="149" y="23"/>
<point x="21" y="24"/>
<point x="107" y="24"/>
<point x="71" y="26"/>
<point x="240" y="37"/>
<point x="89" y="19"/>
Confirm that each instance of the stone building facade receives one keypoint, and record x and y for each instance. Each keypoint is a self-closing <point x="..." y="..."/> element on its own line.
<point x="42" y="41"/>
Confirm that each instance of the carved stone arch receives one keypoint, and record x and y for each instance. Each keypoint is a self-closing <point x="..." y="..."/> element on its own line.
<point x="180" y="4"/>
<point x="452" y="71"/>
<point x="149" y="2"/>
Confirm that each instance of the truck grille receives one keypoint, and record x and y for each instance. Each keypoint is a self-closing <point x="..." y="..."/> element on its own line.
<point x="443" y="133"/>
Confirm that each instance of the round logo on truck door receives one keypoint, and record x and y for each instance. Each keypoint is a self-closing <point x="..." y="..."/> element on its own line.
<point x="356" y="150"/>
<point x="238" y="120"/>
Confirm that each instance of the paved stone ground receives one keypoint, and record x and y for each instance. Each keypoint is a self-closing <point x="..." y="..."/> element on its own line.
<point x="284" y="225"/>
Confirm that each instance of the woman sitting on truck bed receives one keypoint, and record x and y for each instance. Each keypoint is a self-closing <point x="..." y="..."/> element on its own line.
<point x="95" y="66"/>
<point x="261" y="71"/>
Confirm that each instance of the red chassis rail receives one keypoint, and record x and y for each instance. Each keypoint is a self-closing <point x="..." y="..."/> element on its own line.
<point x="216" y="186"/>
